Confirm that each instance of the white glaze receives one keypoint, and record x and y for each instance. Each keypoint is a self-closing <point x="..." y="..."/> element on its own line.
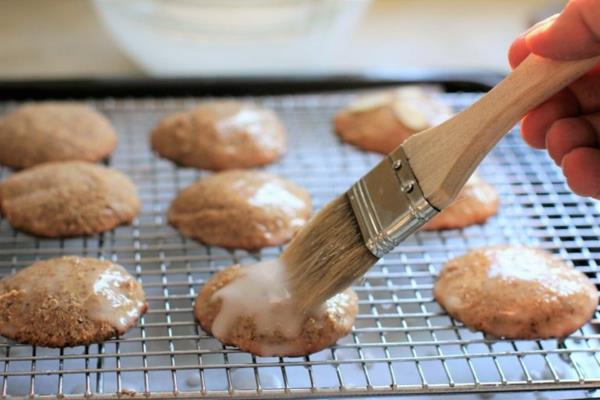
<point x="414" y="106"/>
<point x="370" y="102"/>
<point x="243" y="117"/>
<point x="417" y="109"/>
<point x="115" y="305"/>
<point x="254" y="122"/>
<point x="261" y="292"/>
<point x="411" y="114"/>
<point x="513" y="264"/>
<point x="272" y="193"/>
<point x="264" y="193"/>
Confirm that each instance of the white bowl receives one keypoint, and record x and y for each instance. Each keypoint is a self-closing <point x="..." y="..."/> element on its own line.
<point x="229" y="37"/>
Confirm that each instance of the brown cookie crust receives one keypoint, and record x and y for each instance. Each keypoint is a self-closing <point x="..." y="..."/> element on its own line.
<point x="374" y="123"/>
<point x="477" y="202"/>
<point x="377" y="130"/>
<point x="317" y="332"/>
<point x="70" y="198"/>
<point x="516" y="292"/>
<point x="241" y="209"/>
<point x="219" y="135"/>
<point x="54" y="131"/>
<point x="58" y="316"/>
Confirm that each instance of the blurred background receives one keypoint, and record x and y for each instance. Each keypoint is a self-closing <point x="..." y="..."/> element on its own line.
<point x="77" y="38"/>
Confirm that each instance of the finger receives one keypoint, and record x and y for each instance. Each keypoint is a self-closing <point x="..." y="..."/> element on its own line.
<point x="575" y="34"/>
<point x="518" y="50"/>
<point x="536" y="124"/>
<point x="587" y="92"/>
<point x="565" y="135"/>
<point x="581" y="98"/>
<point x="594" y="71"/>
<point x="582" y="170"/>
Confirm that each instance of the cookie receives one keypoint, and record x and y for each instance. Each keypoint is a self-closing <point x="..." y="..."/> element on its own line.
<point x="241" y="209"/>
<point x="69" y="198"/>
<point x="54" y="131"/>
<point x="382" y="120"/>
<point x="251" y="308"/>
<point x="516" y="292"/>
<point x="69" y="301"/>
<point x="219" y="135"/>
<point x="476" y="203"/>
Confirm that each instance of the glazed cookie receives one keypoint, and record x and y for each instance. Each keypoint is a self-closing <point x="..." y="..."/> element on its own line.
<point x="70" y="198"/>
<point x="54" y="131"/>
<point x="251" y="308"/>
<point x="381" y="121"/>
<point x="69" y="301"/>
<point x="476" y="203"/>
<point x="241" y="209"/>
<point x="219" y="135"/>
<point x="516" y="293"/>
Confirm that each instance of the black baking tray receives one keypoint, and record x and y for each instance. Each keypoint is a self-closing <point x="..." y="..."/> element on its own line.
<point x="452" y="81"/>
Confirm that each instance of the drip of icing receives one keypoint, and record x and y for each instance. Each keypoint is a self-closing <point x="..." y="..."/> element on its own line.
<point x="337" y="305"/>
<point x="115" y="301"/>
<point x="260" y="292"/>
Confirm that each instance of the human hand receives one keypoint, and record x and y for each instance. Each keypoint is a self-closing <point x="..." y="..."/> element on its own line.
<point x="567" y="125"/>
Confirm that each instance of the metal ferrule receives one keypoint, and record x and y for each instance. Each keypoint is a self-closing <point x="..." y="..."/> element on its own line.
<point x="389" y="204"/>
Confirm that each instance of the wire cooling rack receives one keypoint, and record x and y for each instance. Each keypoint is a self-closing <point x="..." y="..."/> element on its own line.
<point x="402" y="341"/>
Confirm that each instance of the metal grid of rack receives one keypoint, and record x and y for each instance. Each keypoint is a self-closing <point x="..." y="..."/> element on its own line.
<point x="402" y="341"/>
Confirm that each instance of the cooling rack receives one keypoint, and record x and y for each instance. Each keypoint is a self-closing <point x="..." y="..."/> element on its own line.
<point x="402" y="341"/>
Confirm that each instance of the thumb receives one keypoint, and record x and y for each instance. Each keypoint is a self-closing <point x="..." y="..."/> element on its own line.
<point x="574" y="34"/>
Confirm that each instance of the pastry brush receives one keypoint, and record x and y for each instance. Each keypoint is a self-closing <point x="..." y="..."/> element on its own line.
<point x="413" y="183"/>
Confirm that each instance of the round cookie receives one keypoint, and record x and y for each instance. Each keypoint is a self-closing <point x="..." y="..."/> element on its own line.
<point x="69" y="301"/>
<point x="251" y="308"/>
<point x="70" y="198"/>
<point x="476" y="203"/>
<point x="54" y="131"/>
<point x="516" y="292"/>
<point x="382" y="120"/>
<point x="219" y="135"/>
<point x="241" y="209"/>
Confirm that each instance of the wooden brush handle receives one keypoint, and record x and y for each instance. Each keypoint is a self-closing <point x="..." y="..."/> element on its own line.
<point x="443" y="158"/>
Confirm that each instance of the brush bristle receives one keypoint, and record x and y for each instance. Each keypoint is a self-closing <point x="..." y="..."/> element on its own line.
<point x="327" y="255"/>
